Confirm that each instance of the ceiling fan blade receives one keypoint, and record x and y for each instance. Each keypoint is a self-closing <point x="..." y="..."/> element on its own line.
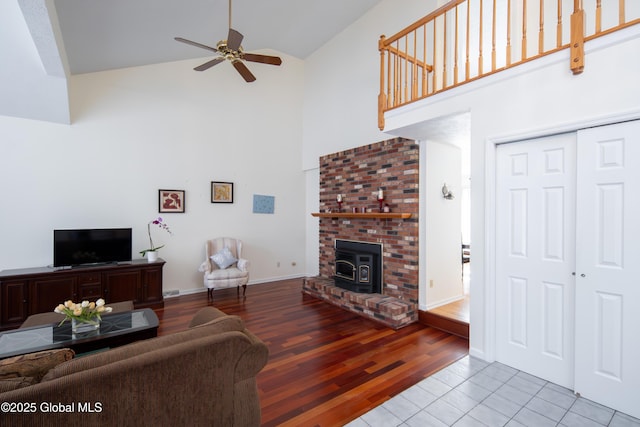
<point x="209" y="64"/>
<point x="202" y="46"/>
<point x="263" y="59"/>
<point x="234" y="39"/>
<point x="244" y="71"/>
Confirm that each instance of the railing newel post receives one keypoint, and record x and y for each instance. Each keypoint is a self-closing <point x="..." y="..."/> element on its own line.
<point x="577" y="38"/>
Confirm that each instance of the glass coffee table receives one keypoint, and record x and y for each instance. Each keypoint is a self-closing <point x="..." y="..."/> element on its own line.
<point x="116" y="329"/>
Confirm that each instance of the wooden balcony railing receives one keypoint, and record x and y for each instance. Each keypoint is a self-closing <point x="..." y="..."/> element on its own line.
<point x="465" y="40"/>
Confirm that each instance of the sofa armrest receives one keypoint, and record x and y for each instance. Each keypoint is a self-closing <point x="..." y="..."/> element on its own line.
<point x="253" y="359"/>
<point x="205" y="315"/>
<point x="210" y="316"/>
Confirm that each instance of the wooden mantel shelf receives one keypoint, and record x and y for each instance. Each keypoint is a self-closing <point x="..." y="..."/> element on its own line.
<point x="381" y="215"/>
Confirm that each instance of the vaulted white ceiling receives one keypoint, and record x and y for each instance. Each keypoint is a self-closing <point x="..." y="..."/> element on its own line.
<point x="100" y="35"/>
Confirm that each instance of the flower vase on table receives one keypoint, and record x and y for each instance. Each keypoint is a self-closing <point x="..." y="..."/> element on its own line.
<point x="78" y="327"/>
<point x="85" y="316"/>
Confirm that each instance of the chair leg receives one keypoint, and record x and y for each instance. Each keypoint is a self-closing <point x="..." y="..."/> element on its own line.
<point x="244" y="290"/>
<point x="210" y="294"/>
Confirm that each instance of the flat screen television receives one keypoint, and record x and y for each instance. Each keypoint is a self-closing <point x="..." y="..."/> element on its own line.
<point x="91" y="246"/>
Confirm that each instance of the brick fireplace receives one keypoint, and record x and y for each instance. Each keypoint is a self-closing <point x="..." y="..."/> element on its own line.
<point x="358" y="174"/>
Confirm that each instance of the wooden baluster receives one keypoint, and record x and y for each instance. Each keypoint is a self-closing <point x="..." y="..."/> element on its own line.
<point x="524" y="30"/>
<point x="398" y="76"/>
<point x="455" y="51"/>
<point x="467" y="64"/>
<point x="414" y="83"/>
<point x="382" y="102"/>
<point x="401" y="63"/>
<point x="389" y="84"/>
<point x="394" y="100"/>
<point x="541" y="29"/>
<point x="395" y="79"/>
<point x="509" y="32"/>
<point x="559" y="26"/>
<point x="577" y="38"/>
<point x="598" y="16"/>
<point x="480" y="58"/>
<point x="405" y="60"/>
<point x="444" y="52"/>
<point x="435" y="59"/>
<point x="493" y="38"/>
<point x="390" y="81"/>
<point x="621" y="12"/>
<point x="425" y="88"/>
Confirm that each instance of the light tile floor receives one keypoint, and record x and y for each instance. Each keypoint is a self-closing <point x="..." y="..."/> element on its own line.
<point x="472" y="392"/>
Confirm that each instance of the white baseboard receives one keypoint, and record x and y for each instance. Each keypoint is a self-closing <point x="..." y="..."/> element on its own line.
<point x="443" y="302"/>
<point x="173" y="293"/>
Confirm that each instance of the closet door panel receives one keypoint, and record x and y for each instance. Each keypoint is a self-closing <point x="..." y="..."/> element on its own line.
<point x="608" y="266"/>
<point x="535" y="248"/>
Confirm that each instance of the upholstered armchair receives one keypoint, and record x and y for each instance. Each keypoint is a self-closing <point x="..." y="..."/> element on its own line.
<point x="224" y="266"/>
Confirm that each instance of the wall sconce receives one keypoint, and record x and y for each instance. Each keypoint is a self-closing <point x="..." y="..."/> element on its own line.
<point x="446" y="193"/>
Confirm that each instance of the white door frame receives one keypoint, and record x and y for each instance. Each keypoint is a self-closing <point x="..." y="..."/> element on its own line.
<point x="492" y="142"/>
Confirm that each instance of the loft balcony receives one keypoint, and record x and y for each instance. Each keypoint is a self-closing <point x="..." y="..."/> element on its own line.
<point x="466" y="40"/>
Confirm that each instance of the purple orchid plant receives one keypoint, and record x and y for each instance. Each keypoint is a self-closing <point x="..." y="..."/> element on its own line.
<point x="163" y="225"/>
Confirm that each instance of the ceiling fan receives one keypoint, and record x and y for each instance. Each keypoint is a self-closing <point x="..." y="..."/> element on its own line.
<point x="231" y="50"/>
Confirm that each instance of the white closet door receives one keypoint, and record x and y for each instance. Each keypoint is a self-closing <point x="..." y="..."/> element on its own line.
<point x="607" y="364"/>
<point x="535" y="256"/>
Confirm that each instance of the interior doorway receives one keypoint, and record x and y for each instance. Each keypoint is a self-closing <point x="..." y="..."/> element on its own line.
<point x="446" y="253"/>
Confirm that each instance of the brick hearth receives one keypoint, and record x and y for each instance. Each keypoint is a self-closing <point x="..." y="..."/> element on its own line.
<point x="357" y="174"/>
<point x="391" y="311"/>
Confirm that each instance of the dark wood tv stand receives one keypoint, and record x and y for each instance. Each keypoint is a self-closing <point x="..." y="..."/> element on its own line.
<point x="28" y="291"/>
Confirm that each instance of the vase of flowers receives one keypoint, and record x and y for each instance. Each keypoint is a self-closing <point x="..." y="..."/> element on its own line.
<point x="84" y="316"/>
<point x="152" y="252"/>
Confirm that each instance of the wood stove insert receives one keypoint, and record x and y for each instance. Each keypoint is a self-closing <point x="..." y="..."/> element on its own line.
<point x="358" y="266"/>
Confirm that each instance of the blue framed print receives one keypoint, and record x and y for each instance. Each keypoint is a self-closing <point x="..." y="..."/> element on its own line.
<point x="263" y="204"/>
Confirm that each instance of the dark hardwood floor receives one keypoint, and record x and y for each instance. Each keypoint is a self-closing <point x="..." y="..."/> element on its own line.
<point x="326" y="366"/>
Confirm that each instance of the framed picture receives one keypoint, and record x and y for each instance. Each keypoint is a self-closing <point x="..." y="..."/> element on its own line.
<point x="221" y="192"/>
<point x="263" y="204"/>
<point x="171" y="201"/>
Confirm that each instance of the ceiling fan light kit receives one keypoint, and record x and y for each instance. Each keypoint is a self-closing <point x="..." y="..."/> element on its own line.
<point x="231" y="50"/>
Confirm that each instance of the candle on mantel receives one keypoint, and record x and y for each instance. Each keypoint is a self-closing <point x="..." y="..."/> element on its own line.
<point x="380" y="194"/>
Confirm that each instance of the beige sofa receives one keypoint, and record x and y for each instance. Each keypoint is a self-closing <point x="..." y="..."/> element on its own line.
<point x="204" y="376"/>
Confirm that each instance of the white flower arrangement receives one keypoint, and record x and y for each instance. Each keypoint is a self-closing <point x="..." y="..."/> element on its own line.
<point x="84" y="312"/>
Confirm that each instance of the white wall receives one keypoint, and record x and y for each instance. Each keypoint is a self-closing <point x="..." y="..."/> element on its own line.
<point x="138" y="130"/>
<point x="440" y="269"/>
<point x="312" y="267"/>
<point x="538" y="98"/>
